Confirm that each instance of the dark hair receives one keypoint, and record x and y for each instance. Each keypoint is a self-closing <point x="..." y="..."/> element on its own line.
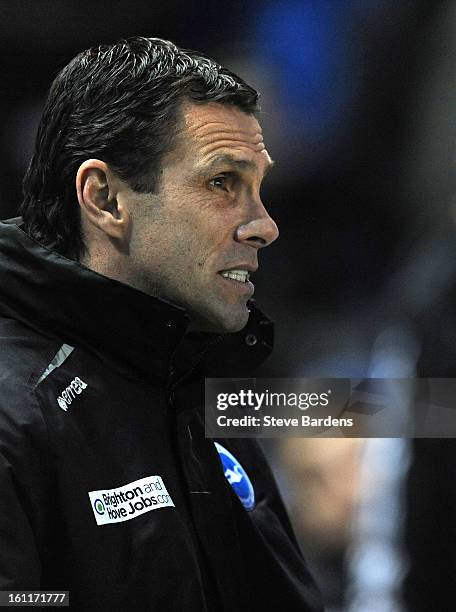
<point x="119" y="103"/>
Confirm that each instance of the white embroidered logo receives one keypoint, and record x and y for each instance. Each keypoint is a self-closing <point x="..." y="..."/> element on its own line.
<point x="76" y="387"/>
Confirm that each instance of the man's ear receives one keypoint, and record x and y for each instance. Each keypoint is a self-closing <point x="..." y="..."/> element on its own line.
<point x="97" y="195"/>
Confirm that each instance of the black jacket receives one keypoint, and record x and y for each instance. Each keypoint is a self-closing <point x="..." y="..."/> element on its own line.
<point x="101" y="422"/>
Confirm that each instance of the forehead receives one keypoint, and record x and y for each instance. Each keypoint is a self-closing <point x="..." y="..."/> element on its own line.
<point x="212" y="130"/>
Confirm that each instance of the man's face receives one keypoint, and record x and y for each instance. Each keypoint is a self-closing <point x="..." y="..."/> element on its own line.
<point x="196" y="242"/>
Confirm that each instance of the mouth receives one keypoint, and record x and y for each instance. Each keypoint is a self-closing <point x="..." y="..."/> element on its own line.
<point x="241" y="276"/>
<point x="238" y="279"/>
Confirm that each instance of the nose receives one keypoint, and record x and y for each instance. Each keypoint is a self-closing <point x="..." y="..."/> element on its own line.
<point x="260" y="232"/>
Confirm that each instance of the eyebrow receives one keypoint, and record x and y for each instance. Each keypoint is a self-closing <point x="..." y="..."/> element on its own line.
<point x="241" y="164"/>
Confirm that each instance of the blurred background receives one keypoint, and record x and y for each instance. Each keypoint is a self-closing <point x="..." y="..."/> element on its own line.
<point x="358" y="110"/>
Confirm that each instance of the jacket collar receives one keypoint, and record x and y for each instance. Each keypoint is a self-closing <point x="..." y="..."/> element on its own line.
<point x="136" y="332"/>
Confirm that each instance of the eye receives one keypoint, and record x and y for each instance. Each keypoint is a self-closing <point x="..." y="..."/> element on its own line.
<point x="220" y="182"/>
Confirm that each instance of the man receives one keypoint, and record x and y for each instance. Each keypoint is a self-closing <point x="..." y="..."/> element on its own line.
<point x="126" y="283"/>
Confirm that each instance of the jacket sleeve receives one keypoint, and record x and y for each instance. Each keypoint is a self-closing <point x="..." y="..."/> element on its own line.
<point x="23" y="489"/>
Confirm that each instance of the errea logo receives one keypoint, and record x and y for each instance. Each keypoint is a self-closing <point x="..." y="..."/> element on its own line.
<point x="76" y="387"/>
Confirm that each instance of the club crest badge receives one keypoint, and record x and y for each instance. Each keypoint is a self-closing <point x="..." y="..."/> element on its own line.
<point x="237" y="477"/>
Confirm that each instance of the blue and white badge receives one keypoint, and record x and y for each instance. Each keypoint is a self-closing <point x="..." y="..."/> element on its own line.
<point x="237" y="477"/>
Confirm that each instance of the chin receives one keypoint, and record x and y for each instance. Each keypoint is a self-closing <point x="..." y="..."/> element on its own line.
<point x="233" y="327"/>
<point x="228" y="323"/>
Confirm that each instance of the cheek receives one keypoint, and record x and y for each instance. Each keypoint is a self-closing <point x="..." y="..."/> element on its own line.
<point x="200" y="241"/>
<point x="199" y="227"/>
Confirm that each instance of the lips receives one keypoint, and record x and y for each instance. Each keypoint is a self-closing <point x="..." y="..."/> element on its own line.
<point x="237" y="279"/>
<point x="238" y="275"/>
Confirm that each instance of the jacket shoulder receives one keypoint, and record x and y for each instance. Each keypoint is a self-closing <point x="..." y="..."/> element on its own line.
<point x="24" y="354"/>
